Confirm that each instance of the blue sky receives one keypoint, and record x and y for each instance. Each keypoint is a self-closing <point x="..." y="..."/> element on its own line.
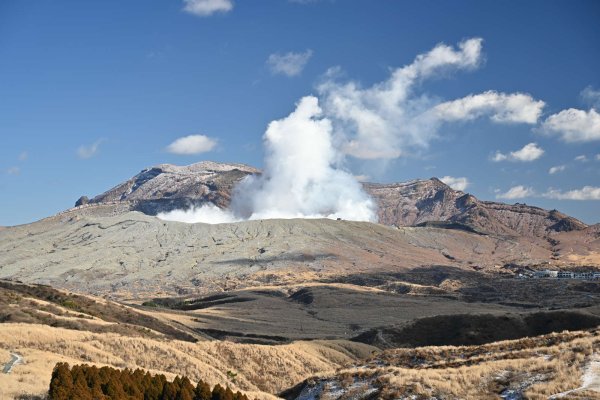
<point x="92" y="92"/>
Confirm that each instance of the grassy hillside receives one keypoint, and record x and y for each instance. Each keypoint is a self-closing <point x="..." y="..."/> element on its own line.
<point x="565" y="365"/>
<point x="254" y="369"/>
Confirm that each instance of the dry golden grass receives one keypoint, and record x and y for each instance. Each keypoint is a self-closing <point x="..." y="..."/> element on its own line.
<point x="260" y="369"/>
<point x="539" y="367"/>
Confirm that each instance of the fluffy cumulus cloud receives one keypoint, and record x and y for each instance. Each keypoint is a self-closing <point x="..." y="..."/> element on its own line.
<point x="205" y="8"/>
<point x="192" y="144"/>
<point x="389" y="119"/>
<point x="500" y="107"/>
<point x="289" y="64"/>
<point x="529" y="152"/>
<point x="456" y="183"/>
<point x="585" y="193"/>
<point x="557" y="169"/>
<point x="516" y="192"/>
<point x="573" y="125"/>
<point x="89" y="151"/>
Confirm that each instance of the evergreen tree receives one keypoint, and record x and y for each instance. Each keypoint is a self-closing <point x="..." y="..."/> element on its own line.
<point x="61" y="383"/>
<point x="202" y="391"/>
<point x="169" y="391"/>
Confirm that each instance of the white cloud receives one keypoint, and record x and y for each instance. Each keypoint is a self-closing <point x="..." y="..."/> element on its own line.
<point x="585" y="193"/>
<point x="529" y="152"/>
<point x="573" y="125"/>
<point x="460" y="183"/>
<point x="500" y="107"/>
<point x="192" y="144"/>
<point x="597" y="157"/>
<point x="556" y="169"/>
<point x="388" y="119"/>
<point x="289" y="64"/>
<point x="591" y="96"/>
<point x="205" y="8"/>
<point x="85" y="152"/>
<point x="13" y="171"/>
<point x="516" y="192"/>
<point x="581" y="158"/>
<point x="23" y="156"/>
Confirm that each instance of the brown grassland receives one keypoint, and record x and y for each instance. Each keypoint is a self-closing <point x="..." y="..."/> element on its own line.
<point x="259" y="369"/>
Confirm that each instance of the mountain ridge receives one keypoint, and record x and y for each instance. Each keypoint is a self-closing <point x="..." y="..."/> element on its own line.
<point x="166" y="187"/>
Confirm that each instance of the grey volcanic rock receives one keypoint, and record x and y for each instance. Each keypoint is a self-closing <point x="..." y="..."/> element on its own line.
<point x="83" y="200"/>
<point x="167" y="187"/>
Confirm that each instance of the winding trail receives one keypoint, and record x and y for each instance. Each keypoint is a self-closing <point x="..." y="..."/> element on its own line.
<point x="15" y="359"/>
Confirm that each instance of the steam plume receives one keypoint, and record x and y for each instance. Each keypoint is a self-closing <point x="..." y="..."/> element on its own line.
<point x="300" y="180"/>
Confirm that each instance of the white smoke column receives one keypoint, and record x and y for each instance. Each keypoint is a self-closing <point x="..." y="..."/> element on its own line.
<point x="300" y="179"/>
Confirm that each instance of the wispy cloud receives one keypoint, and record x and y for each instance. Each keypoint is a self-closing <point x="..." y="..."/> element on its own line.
<point x="289" y="64"/>
<point x="204" y="8"/>
<point x="89" y="151"/>
<point x="529" y="152"/>
<point x="192" y="144"/>
<point x="389" y="119"/>
<point x="516" y="192"/>
<point x="23" y="156"/>
<point x="557" y="169"/>
<point x="581" y="158"/>
<point x="573" y="125"/>
<point x="13" y="170"/>
<point x="585" y="193"/>
<point x="456" y="183"/>
<point x="591" y="96"/>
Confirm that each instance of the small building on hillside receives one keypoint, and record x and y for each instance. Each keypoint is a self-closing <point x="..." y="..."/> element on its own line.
<point x="545" y="274"/>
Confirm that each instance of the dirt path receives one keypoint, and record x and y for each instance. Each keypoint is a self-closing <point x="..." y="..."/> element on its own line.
<point x="15" y="359"/>
<point x="590" y="379"/>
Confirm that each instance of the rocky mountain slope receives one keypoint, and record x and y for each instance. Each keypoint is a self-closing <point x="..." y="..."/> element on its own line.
<point x="420" y="201"/>
<point x="166" y="187"/>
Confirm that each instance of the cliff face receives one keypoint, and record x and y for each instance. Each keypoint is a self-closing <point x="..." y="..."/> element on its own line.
<point x="166" y="187"/>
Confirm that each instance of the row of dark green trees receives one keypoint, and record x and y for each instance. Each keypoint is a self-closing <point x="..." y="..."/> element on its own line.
<point x="84" y="382"/>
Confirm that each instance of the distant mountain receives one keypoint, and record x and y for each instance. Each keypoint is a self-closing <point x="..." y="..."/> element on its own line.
<point x="415" y="202"/>
<point x="166" y="187"/>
